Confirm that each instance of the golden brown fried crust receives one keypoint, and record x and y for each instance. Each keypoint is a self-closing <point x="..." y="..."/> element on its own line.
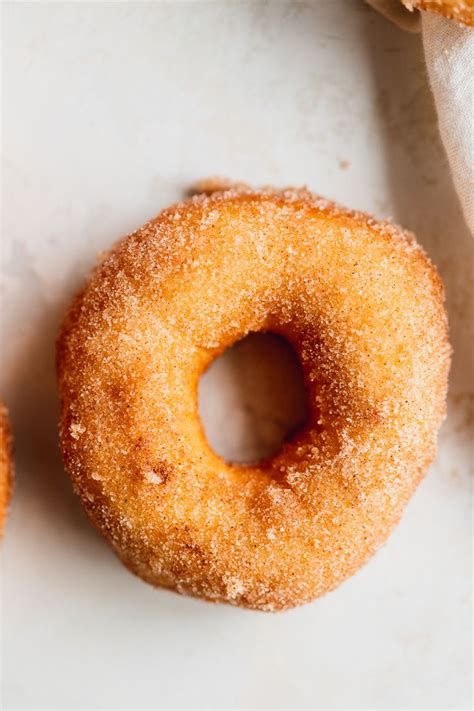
<point x="460" y="10"/>
<point x="6" y="470"/>
<point x="363" y="307"/>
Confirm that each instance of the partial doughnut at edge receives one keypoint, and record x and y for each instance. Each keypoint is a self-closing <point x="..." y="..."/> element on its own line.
<point x="460" y="10"/>
<point x="6" y="468"/>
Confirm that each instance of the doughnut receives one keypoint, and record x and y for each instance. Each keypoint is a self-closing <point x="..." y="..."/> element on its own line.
<point x="6" y="472"/>
<point x="460" y="10"/>
<point x="362" y="306"/>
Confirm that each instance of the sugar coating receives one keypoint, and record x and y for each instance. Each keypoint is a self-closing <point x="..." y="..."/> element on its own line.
<point x="6" y="467"/>
<point x="153" y="478"/>
<point x="362" y="306"/>
<point x="76" y="430"/>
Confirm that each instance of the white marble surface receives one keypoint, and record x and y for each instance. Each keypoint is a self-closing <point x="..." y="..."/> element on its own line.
<point x="109" y="111"/>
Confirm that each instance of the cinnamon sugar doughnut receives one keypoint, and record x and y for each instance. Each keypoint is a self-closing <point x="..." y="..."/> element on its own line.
<point x="460" y="10"/>
<point x="5" y="465"/>
<point x="362" y="306"/>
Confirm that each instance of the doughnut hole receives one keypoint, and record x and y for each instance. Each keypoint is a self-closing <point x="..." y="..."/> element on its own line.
<point x="252" y="399"/>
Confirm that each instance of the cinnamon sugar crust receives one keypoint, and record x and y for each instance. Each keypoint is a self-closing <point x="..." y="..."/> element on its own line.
<point x="361" y="304"/>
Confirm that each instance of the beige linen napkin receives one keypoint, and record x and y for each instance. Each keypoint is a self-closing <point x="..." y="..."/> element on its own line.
<point x="449" y="54"/>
